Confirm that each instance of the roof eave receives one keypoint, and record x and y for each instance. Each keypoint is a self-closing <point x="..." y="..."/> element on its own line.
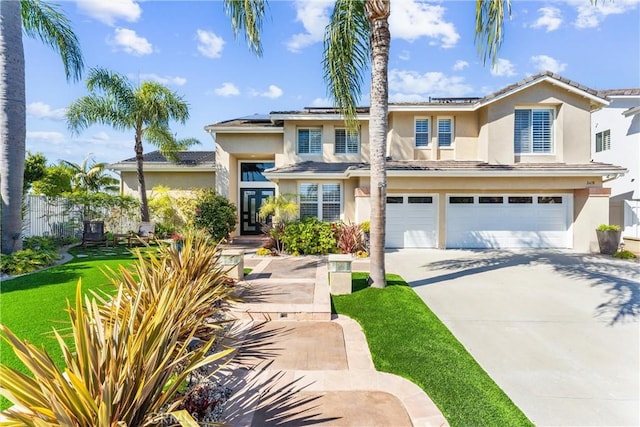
<point x="491" y="173"/>
<point x="151" y="167"/>
<point x="315" y="117"/>
<point x="242" y="129"/>
<point x="551" y="80"/>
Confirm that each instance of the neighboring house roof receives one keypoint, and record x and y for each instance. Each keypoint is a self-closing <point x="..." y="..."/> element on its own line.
<point x="443" y="168"/>
<point x="631" y="111"/>
<point x="620" y="92"/>
<point x="156" y="161"/>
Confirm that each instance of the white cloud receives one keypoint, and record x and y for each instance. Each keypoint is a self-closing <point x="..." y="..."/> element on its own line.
<point x="100" y="137"/>
<point x="209" y="44"/>
<point x="590" y="16"/>
<point x="503" y="67"/>
<point x="128" y="41"/>
<point x="108" y="11"/>
<point x="412" y="86"/>
<point x="550" y="19"/>
<point x="314" y="16"/>
<point x="321" y="102"/>
<point x="273" y="92"/>
<point x="165" y="80"/>
<point x="460" y="65"/>
<point x="410" y="20"/>
<point x="405" y="55"/>
<point x="227" y="89"/>
<point x="544" y="62"/>
<point x="41" y="110"/>
<point x="49" y="137"/>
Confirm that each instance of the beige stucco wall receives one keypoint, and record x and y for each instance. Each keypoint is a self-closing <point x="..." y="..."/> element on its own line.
<point x="571" y="126"/>
<point x="401" y="139"/>
<point x="590" y="208"/>
<point x="328" y="140"/>
<point x="176" y="181"/>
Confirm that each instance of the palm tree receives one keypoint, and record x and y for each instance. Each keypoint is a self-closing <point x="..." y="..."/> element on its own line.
<point x="358" y="37"/>
<point x="146" y="109"/>
<point x="46" y="22"/>
<point x="90" y="177"/>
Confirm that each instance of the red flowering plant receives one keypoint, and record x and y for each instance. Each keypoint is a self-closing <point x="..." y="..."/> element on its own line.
<point x="177" y="237"/>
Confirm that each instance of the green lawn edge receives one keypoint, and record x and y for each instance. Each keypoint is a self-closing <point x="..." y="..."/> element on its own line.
<point x="407" y="339"/>
<point x="33" y="304"/>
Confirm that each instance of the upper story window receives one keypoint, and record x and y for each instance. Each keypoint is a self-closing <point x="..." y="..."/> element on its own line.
<point x="320" y="200"/>
<point x="533" y="131"/>
<point x="253" y="172"/>
<point x="347" y="141"/>
<point x="603" y="141"/>
<point x="310" y="141"/>
<point x="445" y="131"/>
<point x="422" y="132"/>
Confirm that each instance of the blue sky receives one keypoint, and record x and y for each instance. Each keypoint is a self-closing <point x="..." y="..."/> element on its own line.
<point x="189" y="46"/>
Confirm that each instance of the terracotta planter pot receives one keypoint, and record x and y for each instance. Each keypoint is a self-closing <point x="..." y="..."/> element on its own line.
<point x="608" y="241"/>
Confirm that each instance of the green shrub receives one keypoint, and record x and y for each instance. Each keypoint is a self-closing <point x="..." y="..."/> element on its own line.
<point x="215" y="214"/>
<point x="27" y="260"/>
<point x="608" y="227"/>
<point x="624" y="254"/>
<point x="40" y="242"/>
<point x="310" y="237"/>
<point x="365" y="226"/>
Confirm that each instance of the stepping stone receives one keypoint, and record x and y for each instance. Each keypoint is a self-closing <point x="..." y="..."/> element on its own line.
<point x="82" y="256"/>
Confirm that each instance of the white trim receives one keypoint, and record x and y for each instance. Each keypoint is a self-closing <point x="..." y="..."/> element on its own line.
<point x="243" y="129"/>
<point x="315" y="117"/>
<point x="419" y="108"/>
<point x="486" y="174"/>
<point x="164" y="167"/>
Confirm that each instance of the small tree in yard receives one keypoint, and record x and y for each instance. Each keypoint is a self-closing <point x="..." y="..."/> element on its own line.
<point x="216" y="214"/>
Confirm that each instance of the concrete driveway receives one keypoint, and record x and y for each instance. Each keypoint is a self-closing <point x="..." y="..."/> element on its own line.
<point x="557" y="330"/>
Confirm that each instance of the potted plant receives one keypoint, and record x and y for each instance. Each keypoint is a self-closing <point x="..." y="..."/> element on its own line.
<point x="608" y="238"/>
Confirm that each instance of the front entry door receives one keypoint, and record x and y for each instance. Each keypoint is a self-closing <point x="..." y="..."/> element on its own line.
<point x="250" y="201"/>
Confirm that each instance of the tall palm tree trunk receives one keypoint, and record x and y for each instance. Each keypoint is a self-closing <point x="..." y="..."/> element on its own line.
<point x="12" y="123"/>
<point x="378" y="14"/>
<point x="142" y="187"/>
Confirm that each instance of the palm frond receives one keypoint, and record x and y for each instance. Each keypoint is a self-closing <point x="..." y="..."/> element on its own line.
<point x="159" y="104"/>
<point x="489" y="27"/>
<point x="247" y="15"/>
<point x="91" y="109"/>
<point x="45" y="21"/>
<point x="347" y="55"/>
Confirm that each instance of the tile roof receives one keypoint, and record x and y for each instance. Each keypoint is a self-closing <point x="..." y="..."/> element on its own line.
<point x="184" y="158"/>
<point x="620" y="92"/>
<point x="444" y="166"/>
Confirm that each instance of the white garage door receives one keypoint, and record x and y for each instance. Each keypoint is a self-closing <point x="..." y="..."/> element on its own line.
<point x="412" y="221"/>
<point x="509" y="221"/>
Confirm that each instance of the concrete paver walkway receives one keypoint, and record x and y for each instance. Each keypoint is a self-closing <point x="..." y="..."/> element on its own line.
<point x="307" y="367"/>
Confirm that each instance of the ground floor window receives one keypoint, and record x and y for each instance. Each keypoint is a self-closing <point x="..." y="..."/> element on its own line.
<point x="320" y="200"/>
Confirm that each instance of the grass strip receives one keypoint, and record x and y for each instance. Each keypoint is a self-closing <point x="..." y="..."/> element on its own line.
<point x="407" y="339"/>
<point x="33" y="304"/>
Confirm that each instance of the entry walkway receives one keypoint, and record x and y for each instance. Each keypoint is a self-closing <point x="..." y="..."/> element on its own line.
<point x="299" y="365"/>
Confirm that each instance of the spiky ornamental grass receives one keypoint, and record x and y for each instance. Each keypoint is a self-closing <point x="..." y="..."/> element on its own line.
<point x="129" y="355"/>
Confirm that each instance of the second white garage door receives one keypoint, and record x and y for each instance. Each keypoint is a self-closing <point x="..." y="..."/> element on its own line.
<point x="509" y="221"/>
<point x="412" y="221"/>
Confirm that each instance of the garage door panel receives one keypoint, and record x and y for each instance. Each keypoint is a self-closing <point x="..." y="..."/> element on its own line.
<point x="411" y="225"/>
<point x="508" y="225"/>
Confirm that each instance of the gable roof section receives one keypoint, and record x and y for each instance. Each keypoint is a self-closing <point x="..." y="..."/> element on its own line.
<point x="449" y="168"/>
<point x="156" y="161"/>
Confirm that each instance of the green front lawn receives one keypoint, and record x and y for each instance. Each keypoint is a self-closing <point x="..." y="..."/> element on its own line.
<point x="407" y="339"/>
<point x="33" y="304"/>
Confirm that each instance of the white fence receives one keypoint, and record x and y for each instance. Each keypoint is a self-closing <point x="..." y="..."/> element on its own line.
<point x="59" y="217"/>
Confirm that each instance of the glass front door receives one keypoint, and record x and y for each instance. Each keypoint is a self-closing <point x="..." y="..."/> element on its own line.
<point x="250" y="201"/>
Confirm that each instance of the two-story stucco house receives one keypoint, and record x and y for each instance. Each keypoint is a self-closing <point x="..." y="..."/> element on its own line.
<point x="615" y="133"/>
<point x="512" y="169"/>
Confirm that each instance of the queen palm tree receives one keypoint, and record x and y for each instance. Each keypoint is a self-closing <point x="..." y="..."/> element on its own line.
<point x="146" y="109"/>
<point x="46" y="22"/>
<point x="90" y="176"/>
<point x="357" y="38"/>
